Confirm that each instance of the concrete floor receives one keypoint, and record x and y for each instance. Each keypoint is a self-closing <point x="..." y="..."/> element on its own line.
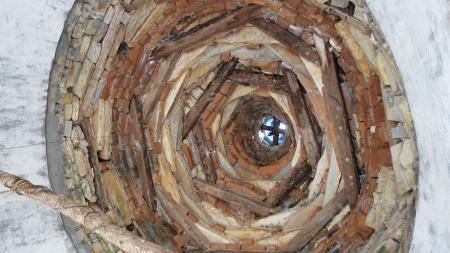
<point x="418" y="32"/>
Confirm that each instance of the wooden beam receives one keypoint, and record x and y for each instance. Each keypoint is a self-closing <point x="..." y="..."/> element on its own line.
<point x="286" y="38"/>
<point x="282" y="189"/>
<point x="147" y="185"/>
<point x="316" y="223"/>
<point x="190" y="39"/>
<point x="179" y="215"/>
<point x="338" y="129"/>
<point x="207" y="96"/>
<point x="156" y="85"/>
<point x="304" y="117"/>
<point x="274" y="82"/>
<point x="235" y="198"/>
<point x="204" y="150"/>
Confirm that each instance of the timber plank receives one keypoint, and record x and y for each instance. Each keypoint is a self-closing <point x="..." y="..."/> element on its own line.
<point x="234" y="198"/>
<point x="180" y="216"/>
<point x="316" y="223"/>
<point x="282" y="189"/>
<point x="338" y="130"/>
<point x="146" y="174"/>
<point x="274" y="82"/>
<point x="304" y="117"/>
<point x="236" y="19"/>
<point x="207" y="96"/>
<point x="204" y="151"/>
<point x="286" y="38"/>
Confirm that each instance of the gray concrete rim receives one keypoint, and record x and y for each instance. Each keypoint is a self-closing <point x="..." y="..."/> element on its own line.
<point x="55" y="155"/>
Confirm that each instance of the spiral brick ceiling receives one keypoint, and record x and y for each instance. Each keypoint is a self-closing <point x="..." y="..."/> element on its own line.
<point x="227" y="126"/>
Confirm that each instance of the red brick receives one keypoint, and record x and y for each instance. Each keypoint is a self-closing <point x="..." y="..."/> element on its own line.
<point x="209" y="120"/>
<point x="233" y="246"/>
<point x="250" y="192"/>
<point x="255" y="247"/>
<point x="233" y="186"/>
<point x="210" y="199"/>
<point x="188" y="154"/>
<point x="219" y="227"/>
<point x="179" y="241"/>
<point x="157" y="147"/>
<point x="226" y="88"/>
<point x="270" y="170"/>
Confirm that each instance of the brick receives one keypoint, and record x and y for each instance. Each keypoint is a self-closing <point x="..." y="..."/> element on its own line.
<point x="250" y="192"/>
<point x="156" y="179"/>
<point x="254" y="169"/>
<point x="270" y="170"/>
<point x="233" y="246"/>
<point x="219" y="227"/>
<point x="228" y="138"/>
<point x="272" y="248"/>
<point x="226" y="88"/>
<point x="157" y="148"/>
<point x="231" y="5"/>
<point x="233" y="151"/>
<point x="209" y="120"/>
<point x="179" y="241"/>
<point x="253" y="247"/>
<point x="215" y="245"/>
<point x="233" y="186"/>
<point x="210" y="199"/>
<point x="244" y="164"/>
<point x="232" y="160"/>
<point x="222" y="204"/>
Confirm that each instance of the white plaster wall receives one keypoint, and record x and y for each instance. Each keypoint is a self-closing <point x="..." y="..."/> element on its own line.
<point x="29" y="33"/>
<point x="418" y="32"/>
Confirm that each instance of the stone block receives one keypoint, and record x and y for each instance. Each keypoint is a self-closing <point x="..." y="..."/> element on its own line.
<point x="67" y="128"/>
<point x="94" y="51"/>
<point x="80" y="85"/>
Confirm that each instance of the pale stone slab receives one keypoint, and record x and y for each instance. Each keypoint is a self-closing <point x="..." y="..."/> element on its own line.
<point x="333" y="179"/>
<point x="218" y="216"/>
<point x="384" y="199"/>
<point x="248" y="233"/>
<point x="322" y="167"/>
<point x="213" y="236"/>
<point x="274" y="220"/>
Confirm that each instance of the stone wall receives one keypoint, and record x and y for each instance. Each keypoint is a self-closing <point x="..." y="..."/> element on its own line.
<point x="103" y="69"/>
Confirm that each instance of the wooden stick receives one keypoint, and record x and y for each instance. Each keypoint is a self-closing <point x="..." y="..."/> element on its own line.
<point x="286" y="38"/>
<point x="148" y="187"/>
<point x="316" y="223"/>
<point x="205" y="150"/>
<point x="276" y="194"/>
<point x="207" y="96"/>
<point x="305" y="118"/>
<point x="338" y="130"/>
<point x="87" y="216"/>
<point x="274" y="82"/>
<point x="154" y="88"/>
<point x="236" y="19"/>
<point x="234" y="198"/>
<point x="179" y="215"/>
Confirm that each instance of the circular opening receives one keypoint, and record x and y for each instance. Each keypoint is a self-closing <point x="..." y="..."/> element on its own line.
<point x="272" y="131"/>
